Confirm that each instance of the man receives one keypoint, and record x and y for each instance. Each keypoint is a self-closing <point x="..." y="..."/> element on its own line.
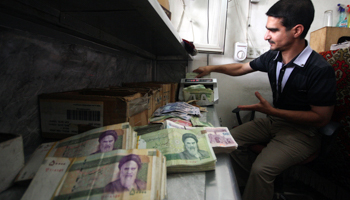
<point x="192" y="151"/>
<point x="128" y="169"/>
<point x="106" y="141"/>
<point x="303" y="86"/>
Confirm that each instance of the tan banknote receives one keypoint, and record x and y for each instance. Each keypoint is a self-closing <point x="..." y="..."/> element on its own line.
<point x="90" y="142"/>
<point x="120" y="136"/>
<point x="120" y="174"/>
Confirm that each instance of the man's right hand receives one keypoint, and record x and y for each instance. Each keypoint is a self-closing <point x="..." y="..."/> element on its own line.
<point x="202" y="71"/>
<point x="233" y="69"/>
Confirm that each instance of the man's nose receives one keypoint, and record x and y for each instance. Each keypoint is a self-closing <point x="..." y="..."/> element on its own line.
<point x="267" y="35"/>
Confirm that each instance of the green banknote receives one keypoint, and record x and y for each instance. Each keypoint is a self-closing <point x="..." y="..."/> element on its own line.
<point x="193" y="75"/>
<point x="197" y="123"/>
<point x="185" y="150"/>
<point x="200" y="93"/>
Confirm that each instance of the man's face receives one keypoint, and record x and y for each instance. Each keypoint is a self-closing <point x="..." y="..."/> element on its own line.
<point x="279" y="38"/>
<point x="128" y="173"/>
<point x="107" y="143"/>
<point x="191" y="146"/>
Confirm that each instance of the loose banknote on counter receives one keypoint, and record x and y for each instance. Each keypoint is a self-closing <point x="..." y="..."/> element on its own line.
<point x="193" y="75"/>
<point x="197" y="123"/>
<point x="185" y="150"/>
<point x="98" y="140"/>
<point x="220" y="138"/>
<point x="178" y="109"/>
<point x="135" y="174"/>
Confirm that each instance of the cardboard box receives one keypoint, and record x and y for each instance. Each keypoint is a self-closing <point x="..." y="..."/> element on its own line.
<point x="322" y="39"/>
<point x="174" y="91"/>
<point x="154" y="97"/>
<point x="68" y="113"/>
<point x="165" y="87"/>
<point x="12" y="158"/>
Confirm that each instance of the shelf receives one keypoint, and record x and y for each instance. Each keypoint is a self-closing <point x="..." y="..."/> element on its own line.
<point x="139" y="27"/>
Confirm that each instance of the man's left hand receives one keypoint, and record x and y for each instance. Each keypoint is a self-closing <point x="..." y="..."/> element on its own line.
<point x="263" y="106"/>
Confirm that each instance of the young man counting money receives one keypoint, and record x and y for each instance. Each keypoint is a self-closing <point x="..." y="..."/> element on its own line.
<point x="303" y="86"/>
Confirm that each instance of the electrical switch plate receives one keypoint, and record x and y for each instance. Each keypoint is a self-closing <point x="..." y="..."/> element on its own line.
<point x="240" y="51"/>
<point x="254" y="1"/>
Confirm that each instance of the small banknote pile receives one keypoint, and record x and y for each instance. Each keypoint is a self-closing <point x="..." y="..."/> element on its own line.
<point x="185" y="150"/>
<point x="118" y="174"/>
<point x="203" y="96"/>
<point x="220" y="138"/>
<point x="178" y="110"/>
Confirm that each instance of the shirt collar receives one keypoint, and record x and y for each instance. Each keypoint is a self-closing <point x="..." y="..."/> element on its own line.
<point x="301" y="59"/>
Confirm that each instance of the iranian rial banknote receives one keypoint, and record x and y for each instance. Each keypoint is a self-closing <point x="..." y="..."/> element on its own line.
<point x="120" y="174"/>
<point x="185" y="150"/>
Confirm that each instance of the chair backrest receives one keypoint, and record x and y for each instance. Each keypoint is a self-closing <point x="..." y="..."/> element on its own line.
<point x="329" y="134"/>
<point x="340" y="61"/>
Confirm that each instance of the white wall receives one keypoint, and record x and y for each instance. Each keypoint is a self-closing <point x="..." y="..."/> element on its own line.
<point x="235" y="91"/>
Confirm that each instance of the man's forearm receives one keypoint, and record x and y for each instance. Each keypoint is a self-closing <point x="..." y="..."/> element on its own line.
<point x="318" y="116"/>
<point x="234" y="69"/>
<point x="310" y="118"/>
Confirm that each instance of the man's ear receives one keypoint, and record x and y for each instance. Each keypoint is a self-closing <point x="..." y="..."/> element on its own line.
<point x="297" y="30"/>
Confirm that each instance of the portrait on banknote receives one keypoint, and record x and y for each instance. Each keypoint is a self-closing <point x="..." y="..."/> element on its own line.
<point x="127" y="180"/>
<point x="191" y="148"/>
<point x="88" y="144"/>
<point x="101" y="176"/>
<point x="106" y="141"/>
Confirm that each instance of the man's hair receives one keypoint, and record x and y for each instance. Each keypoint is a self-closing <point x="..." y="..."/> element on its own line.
<point x="109" y="132"/>
<point x="293" y="12"/>
<point x="129" y="157"/>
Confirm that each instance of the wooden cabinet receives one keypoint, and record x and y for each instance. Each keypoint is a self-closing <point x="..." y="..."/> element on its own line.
<point x="322" y="39"/>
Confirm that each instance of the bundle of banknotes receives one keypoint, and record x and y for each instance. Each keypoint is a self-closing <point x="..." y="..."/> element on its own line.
<point x="185" y="150"/>
<point x="98" y="140"/>
<point x="119" y="174"/>
<point x="203" y="96"/>
<point x="90" y="165"/>
<point x="220" y="138"/>
<point x="178" y="109"/>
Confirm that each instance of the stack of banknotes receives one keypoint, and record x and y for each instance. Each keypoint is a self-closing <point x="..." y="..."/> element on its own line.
<point x="91" y="165"/>
<point x="203" y="96"/>
<point x="185" y="150"/>
<point x="220" y="138"/>
<point x="178" y="109"/>
<point x="118" y="174"/>
<point x="99" y="140"/>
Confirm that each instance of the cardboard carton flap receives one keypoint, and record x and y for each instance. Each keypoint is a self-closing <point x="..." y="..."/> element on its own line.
<point x="138" y="105"/>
